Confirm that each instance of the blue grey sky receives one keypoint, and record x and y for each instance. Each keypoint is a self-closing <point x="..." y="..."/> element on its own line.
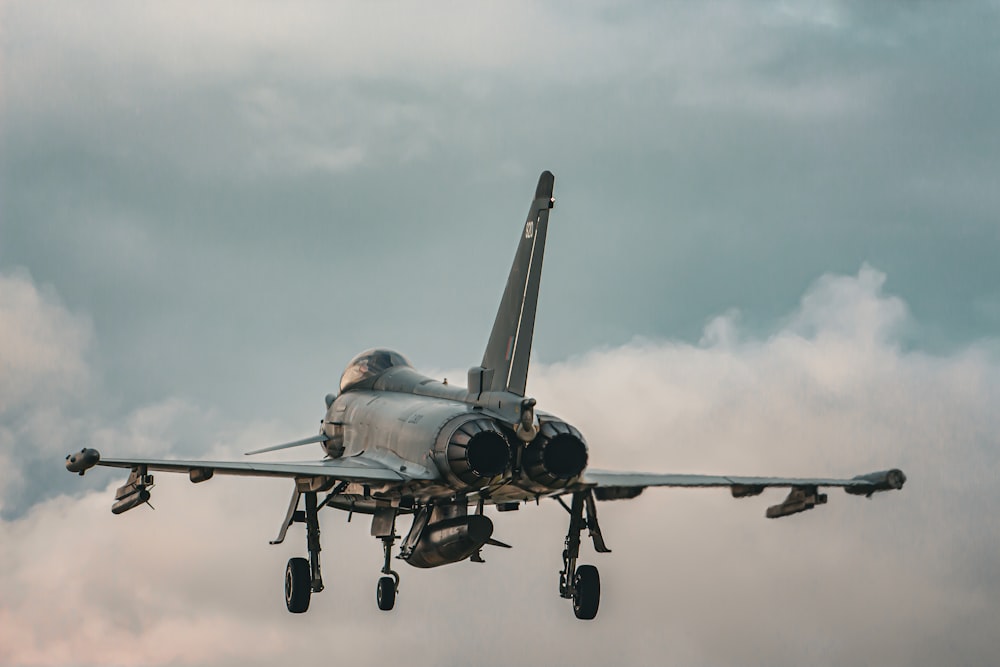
<point x="777" y="221"/>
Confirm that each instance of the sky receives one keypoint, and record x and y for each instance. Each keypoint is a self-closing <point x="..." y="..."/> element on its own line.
<point x="773" y="252"/>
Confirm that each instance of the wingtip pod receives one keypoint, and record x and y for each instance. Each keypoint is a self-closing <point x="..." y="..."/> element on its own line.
<point x="83" y="460"/>
<point x="883" y="480"/>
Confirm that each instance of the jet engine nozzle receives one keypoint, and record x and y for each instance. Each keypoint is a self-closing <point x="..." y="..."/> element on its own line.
<point x="556" y="456"/>
<point x="474" y="451"/>
<point x="83" y="460"/>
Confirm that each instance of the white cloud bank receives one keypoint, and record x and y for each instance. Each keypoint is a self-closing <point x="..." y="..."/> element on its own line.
<point x="52" y="400"/>
<point x="697" y="578"/>
<point x="42" y="369"/>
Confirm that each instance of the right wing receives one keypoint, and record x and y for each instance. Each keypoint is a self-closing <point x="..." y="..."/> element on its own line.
<point x="804" y="494"/>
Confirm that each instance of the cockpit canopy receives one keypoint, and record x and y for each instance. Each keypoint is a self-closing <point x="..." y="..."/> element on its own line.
<point x="368" y="365"/>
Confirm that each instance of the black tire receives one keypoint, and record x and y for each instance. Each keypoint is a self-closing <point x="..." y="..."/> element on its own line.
<point x="587" y="598"/>
<point x="385" y="593"/>
<point x="298" y="585"/>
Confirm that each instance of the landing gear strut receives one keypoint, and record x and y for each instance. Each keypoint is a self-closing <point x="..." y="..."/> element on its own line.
<point x="302" y="576"/>
<point x="312" y="540"/>
<point x="581" y="584"/>
<point x="385" y="593"/>
<point x="384" y="528"/>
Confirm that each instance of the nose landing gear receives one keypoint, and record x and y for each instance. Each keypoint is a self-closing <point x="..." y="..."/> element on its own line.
<point x="384" y="528"/>
<point x="385" y="592"/>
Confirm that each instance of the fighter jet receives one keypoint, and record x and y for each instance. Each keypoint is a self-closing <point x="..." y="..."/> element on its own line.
<point x="399" y="444"/>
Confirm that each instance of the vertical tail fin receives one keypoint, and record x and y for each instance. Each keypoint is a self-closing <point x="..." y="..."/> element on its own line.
<point x="509" y="348"/>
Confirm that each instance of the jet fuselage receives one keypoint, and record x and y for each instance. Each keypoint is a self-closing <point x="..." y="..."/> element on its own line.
<point x="445" y="442"/>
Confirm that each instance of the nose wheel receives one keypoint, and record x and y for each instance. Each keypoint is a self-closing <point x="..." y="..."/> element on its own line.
<point x="385" y="592"/>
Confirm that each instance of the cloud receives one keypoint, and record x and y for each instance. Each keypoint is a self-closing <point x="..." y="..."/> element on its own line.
<point x="41" y="343"/>
<point x="42" y="369"/>
<point x="172" y="169"/>
<point x="127" y="71"/>
<point x="52" y="401"/>
<point x="696" y="577"/>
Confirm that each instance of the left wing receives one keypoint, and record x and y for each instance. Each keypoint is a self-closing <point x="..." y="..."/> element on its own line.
<point x="804" y="494"/>
<point x="348" y="470"/>
<point x="319" y="474"/>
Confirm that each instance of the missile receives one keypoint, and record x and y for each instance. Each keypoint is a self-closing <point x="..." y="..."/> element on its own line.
<point x="83" y="460"/>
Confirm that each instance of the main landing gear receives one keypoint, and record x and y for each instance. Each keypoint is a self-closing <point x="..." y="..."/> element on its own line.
<point x="581" y="584"/>
<point x="302" y="576"/>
